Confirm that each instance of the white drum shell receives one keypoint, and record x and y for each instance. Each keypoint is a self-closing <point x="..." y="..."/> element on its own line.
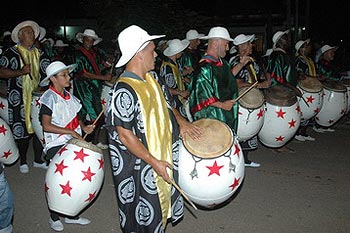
<point x="210" y="190"/>
<point x="34" y="115"/>
<point x="83" y="191"/>
<point x="8" y="149"/>
<point x="277" y="131"/>
<point x="333" y="107"/>
<point x="348" y="99"/>
<point x="105" y="93"/>
<point x="250" y="122"/>
<point x="4" y="109"/>
<point x="313" y="99"/>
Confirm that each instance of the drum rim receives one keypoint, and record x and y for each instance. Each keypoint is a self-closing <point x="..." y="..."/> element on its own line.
<point x="85" y="144"/>
<point x="211" y="155"/>
<point x="310" y="90"/>
<point x="268" y="97"/>
<point x="340" y="91"/>
<point x="258" y="91"/>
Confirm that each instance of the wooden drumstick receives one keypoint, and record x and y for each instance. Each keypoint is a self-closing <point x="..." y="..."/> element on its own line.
<point x="183" y="194"/>
<point x="98" y="117"/>
<point x="246" y="91"/>
<point x="305" y="102"/>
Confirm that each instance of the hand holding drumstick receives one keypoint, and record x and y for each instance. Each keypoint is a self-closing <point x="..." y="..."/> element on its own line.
<point x="93" y="124"/>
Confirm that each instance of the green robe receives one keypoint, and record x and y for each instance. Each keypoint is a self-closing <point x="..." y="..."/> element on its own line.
<point x="215" y="82"/>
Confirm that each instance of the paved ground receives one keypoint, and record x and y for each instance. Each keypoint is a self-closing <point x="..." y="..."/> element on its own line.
<point x="308" y="191"/>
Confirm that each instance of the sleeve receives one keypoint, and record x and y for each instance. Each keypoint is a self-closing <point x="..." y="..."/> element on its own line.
<point x="44" y="110"/>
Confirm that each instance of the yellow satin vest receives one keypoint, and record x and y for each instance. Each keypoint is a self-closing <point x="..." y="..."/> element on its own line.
<point x="178" y="78"/>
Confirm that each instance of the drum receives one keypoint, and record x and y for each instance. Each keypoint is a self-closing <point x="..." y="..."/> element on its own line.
<point x="334" y="103"/>
<point x="34" y="113"/>
<point x="312" y="90"/>
<point x="250" y="113"/>
<point x="107" y="86"/>
<point x="346" y="83"/>
<point x="74" y="177"/>
<point x="282" y="116"/>
<point x="3" y="102"/>
<point x="210" y="169"/>
<point x="8" y="149"/>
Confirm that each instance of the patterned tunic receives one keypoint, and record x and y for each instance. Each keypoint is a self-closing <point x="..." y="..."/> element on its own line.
<point x="305" y="65"/>
<point x="327" y="69"/>
<point x="138" y="201"/>
<point x="10" y="59"/>
<point x="190" y="58"/>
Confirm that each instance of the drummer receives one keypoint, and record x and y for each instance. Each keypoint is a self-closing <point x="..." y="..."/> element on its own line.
<point x="246" y="75"/>
<point x="281" y="69"/>
<point x="59" y="118"/>
<point x="324" y="64"/>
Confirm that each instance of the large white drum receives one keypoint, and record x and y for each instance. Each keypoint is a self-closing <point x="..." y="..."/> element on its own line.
<point x="210" y="169"/>
<point x="107" y="86"/>
<point x="8" y="149"/>
<point x="334" y="103"/>
<point x="34" y="113"/>
<point x="282" y="116"/>
<point x="346" y="83"/>
<point x="3" y="102"/>
<point x="74" y="177"/>
<point x="250" y="113"/>
<point x="312" y="91"/>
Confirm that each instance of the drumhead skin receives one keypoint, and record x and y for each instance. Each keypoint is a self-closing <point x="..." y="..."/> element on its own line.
<point x="280" y="95"/>
<point x="216" y="139"/>
<point x="85" y="144"/>
<point x="312" y="85"/>
<point x="334" y="86"/>
<point x="253" y="99"/>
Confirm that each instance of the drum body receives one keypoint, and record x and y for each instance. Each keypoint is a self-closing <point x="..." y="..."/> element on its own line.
<point x="282" y="116"/>
<point x="34" y="114"/>
<point x="74" y="177"/>
<point x="107" y="86"/>
<point x="334" y="103"/>
<point x="312" y="91"/>
<point x="211" y="178"/>
<point x="250" y="114"/>
<point x="8" y="149"/>
<point x="3" y="103"/>
<point x="346" y="83"/>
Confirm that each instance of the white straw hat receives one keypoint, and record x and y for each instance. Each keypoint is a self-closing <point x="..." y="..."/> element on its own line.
<point x="42" y="33"/>
<point x="268" y="52"/>
<point x="278" y="36"/>
<point x="193" y="34"/>
<point x="131" y="40"/>
<point x="176" y="46"/>
<point x="241" y="39"/>
<point x="218" y="32"/>
<point x="326" y="47"/>
<point x="32" y="24"/>
<point x="59" y="43"/>
<point x="299" y="44"/>
<point x="233" y="50"/>
<point x="89" y="33"/>
<point x="54" y="68"/>
<point x="6" y="33"/>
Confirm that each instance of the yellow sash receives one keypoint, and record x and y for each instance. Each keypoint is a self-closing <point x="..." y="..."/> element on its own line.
<point x="178" y="78"/>
<point x="158" y="131"/>
<point x="311" y="65"/>
<point x="251" y="74"/>
<point x="31" y="57"/>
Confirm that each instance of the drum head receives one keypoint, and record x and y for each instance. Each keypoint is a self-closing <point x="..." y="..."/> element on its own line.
<point x="346" y="82"/>
<point x="334" y="86"/>
<point x="85" y="144"/>
<point x="312" y="85"/>
<point x="253" y="99"/>
<point x="215" y="141"/>
<point x="280" y="95"/>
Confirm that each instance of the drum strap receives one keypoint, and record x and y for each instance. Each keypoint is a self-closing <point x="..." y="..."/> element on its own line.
<point x="159" y="139"/>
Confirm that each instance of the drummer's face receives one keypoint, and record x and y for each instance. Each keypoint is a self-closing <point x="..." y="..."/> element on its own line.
<point x="62" y="79"/>
<point x="148" y="55"/>
<point x="88" y="42"/>
<point x="223" y="46"/>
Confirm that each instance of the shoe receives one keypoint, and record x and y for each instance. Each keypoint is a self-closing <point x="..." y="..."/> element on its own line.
<point x="329" y="130"/>
<point x="56" y="225"/>
<point x="309" y="138"/>
<point x="102" y="146"/>
<point x="24" y="168"/>
<point x="318" y="130"/>
<point x="252" y="164"/>
<point x="300" y="138"/>
<point x="80" y="220"/>
<point x="40" y="165"/>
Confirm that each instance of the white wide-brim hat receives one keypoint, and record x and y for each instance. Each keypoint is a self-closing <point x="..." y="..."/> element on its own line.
<point x="32" y="24"/>
<point x="218" y="32"/>
<point x="268" y="52"/>
<point x="42" y="33"/>
<point x="54" y="68"/>
<point x="233" y="50"/>
<point x="59" y="43"/>
<point x="278" y="36"/>
<point x="299" y="44"/>
<point x="132" y="40"/>
<point x="6" y="33"/>
<point x="89" y="33"/>
<point x="176" y="46"/>
<point x="241" y="39"/>
<point x="193" y="34"/>
<point x="326" y="47"/>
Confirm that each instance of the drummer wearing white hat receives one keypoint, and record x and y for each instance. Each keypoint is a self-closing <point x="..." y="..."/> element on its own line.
<point x="24" y="65"/>
<point x="171" y="73"/>
<point x="324" y="63"/>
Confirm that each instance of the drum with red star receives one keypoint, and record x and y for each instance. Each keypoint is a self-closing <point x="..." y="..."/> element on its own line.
<point x="312" y="91"/>
<point x="4" y="112"/>
<point x="334" y="103"/>
<point x="346" y="83"/>
<point x="8" y="149"/>
<point x="212" y="168"/>
<point x="107" y="86"/>
<point x="74" y="177"/>
<point x="34" y="113"/>
<point x="282" y="116"/>
<point x="250" y="113"/>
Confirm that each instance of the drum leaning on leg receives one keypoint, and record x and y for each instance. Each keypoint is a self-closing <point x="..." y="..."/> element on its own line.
<point x="8" y="149"/>
<point x="34" y="114"/>
<point x="282" y="116"/>
<point x="210" y="169"/>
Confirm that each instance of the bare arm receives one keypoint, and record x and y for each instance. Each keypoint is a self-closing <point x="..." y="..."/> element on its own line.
<point x="49" y="127"/>
<point x="8" y="73"/>
<point x="187" y="127"/>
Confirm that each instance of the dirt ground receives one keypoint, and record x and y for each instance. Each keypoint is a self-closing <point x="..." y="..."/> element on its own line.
<point x="308" y="191"/>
